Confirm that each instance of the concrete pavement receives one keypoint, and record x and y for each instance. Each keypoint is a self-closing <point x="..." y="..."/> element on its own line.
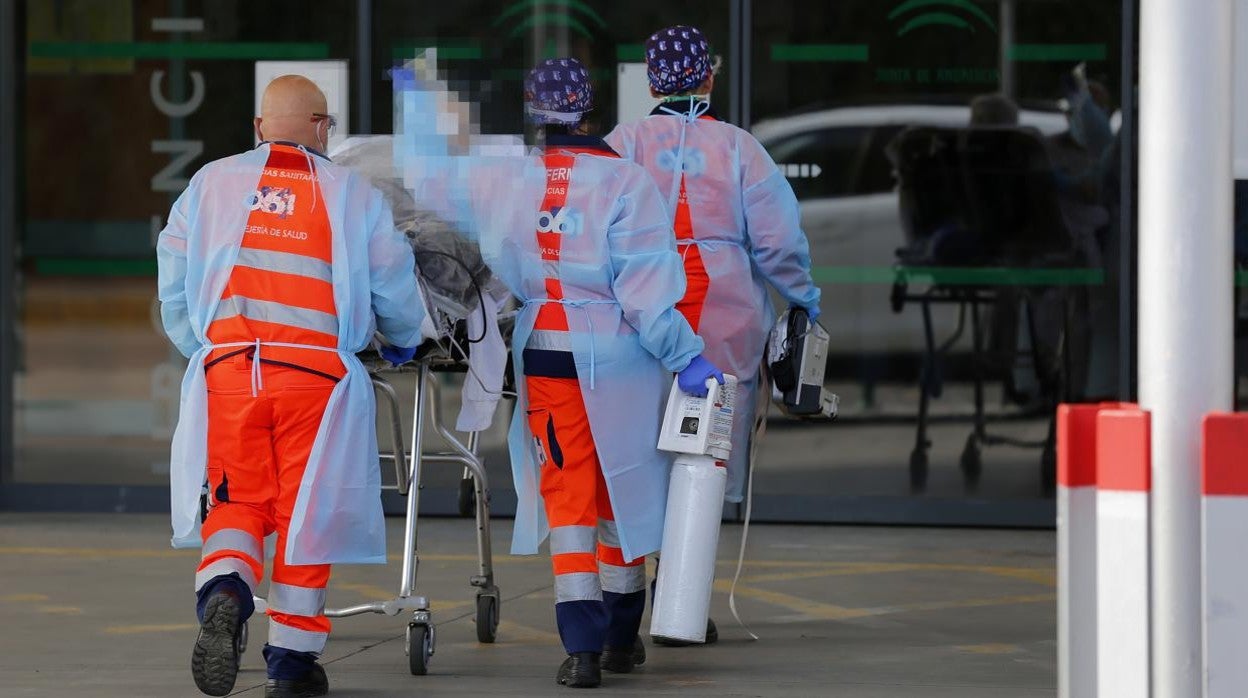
<point x="98" y="605"/>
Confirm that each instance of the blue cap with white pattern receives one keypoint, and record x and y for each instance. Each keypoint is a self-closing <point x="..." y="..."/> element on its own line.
<point x="678" y="59"/>
<point x="558" y="91"/>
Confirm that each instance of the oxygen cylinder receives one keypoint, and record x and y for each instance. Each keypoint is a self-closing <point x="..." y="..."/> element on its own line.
<point x="695" y="504"/>
<point x="699" y="431"/>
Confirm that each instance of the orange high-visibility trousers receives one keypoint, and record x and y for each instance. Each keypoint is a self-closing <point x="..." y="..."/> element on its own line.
<point x="599" y="596"/>
<point x="258" y="448"/>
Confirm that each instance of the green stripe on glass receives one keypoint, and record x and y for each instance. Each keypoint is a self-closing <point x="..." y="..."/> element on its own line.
<point x="447" y="50"/>
<point x="207" y="50"/>
<point x="850" y="53"/>
<point x="630" y="53"/>
<point x="53" y="266"/>
<point x="602" y="75"/>
<point x="1058" y="52"/>
<point x="986" y="276"/>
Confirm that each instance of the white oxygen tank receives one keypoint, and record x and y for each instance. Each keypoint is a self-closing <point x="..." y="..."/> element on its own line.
<point x="699" y="431"/>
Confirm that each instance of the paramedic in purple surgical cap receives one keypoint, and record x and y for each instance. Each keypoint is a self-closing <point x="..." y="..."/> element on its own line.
<point x="736" y="222"/>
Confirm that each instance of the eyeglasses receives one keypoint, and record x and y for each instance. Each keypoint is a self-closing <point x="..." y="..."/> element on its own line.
<point x="329" y="118"/>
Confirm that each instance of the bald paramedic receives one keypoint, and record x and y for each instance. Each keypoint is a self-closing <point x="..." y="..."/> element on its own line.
<point x="275" y="268"/>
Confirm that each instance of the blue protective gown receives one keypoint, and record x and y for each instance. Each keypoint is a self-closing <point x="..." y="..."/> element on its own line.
<point x="621" y="278"/>
<point x="338" y="515"/>
<point x="746" y="224"/>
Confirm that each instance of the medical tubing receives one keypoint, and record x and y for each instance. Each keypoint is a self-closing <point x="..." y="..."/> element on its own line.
<point x="473" y="372"/>
<point x="745" y="534"/>
<point x="476" y="287"/>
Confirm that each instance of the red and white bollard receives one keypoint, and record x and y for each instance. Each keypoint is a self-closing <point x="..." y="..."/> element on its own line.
<point x="1224" y="524"/>
<point x="1076" y="550"/>
<point x="1122" y="552"/>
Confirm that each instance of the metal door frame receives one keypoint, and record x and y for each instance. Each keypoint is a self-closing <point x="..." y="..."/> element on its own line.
<point x="10" y="155"/>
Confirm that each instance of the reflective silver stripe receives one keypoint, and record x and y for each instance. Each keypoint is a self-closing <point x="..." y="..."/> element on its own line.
<point x="573" y="539"/>
<point x="550" y="269"/>
<point x="279" y="313"/>
<point x="622" y="580"/>
<point x="608" y="534"/>
<point x="296" y="600"/>
<point x="233" y="539"/>
<point x="286" y="263"/>
<point x="577" y="586"/>
<point x="295" y="639"/>
<point x="550" y="340"/>
<point x="222" y="567"/>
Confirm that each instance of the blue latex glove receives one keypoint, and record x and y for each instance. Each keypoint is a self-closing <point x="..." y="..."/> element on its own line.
<point x="812" y="313"/>
<point x="692" y="380"/>
<point x="397" y="355"/>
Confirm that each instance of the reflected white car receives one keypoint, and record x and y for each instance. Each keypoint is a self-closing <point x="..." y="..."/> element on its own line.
<point x="834" y="158"/>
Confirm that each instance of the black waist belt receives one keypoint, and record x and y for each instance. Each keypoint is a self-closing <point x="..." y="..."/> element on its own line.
<point x="549" y="363"/>
<point x="251" y="351"/>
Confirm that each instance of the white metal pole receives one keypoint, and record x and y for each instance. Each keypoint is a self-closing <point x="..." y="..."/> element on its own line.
<point x="1185" y="290"/>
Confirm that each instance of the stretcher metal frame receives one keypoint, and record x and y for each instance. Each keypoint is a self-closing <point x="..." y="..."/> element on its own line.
<point x="421" y="638"/>
<point x="1056" y="387"/>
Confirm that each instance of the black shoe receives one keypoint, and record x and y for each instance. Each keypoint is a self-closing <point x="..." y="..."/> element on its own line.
<point x="712" y="636"/>
<point x="314" y="683"/>
<point x="622" y="661"/>
<point x="580" y="670"/>
<point x="214" y="661"/>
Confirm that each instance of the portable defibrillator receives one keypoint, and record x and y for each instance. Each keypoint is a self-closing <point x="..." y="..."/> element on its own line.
<point x="797" y="353"/>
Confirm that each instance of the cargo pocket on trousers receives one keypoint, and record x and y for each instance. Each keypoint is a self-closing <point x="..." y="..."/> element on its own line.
<point x="545" y="440"/>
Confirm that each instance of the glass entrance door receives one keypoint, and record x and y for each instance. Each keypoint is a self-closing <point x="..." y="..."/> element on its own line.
<point x="948" y="168"/>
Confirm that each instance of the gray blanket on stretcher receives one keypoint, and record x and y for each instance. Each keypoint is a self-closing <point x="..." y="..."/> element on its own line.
<point x="449" y="265"/>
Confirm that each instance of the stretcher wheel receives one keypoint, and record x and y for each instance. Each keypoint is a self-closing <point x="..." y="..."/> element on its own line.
<point x="487" y="618"/>
<point x="897" y="297"/>
<point x="918" y="470"/>
<point x="972" y="462"/>
<point x="419" y="648"/>
<point x="467" y="497"/>
<point x="242" y="638"/>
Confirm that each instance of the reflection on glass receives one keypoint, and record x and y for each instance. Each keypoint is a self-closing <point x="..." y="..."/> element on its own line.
<point x="97" y="383"/>
<point x="966" y="239"/>
<point x="1019" y="214"/>
<point x="170" y="89"/>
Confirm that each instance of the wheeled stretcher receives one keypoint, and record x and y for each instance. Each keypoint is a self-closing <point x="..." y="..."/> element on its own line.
<point x="434" y="356"/>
